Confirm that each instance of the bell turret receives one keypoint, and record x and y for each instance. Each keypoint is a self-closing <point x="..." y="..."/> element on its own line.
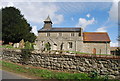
<point x="47" y="23"/>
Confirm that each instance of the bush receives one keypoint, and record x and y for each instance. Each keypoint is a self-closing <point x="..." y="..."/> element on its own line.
<point x="118" y="51"/>
<point x="47" y="46"/>
<point x="26" y="54"/>
<point x="28" y="45"/>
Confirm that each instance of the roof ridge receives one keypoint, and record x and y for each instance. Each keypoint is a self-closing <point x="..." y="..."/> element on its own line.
<point x="94" y="32"/>
<point x="65" y="27"/>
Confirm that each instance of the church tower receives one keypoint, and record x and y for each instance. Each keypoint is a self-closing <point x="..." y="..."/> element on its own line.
<point x="47" y="23"/>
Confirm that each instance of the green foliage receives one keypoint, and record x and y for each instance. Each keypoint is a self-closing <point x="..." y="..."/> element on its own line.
<point x="26" y="54"/>
<point x="13" y="67"/>
<point x="74" y="76"/>
<point x="47" y="46"/>
<point x="15" y="27"/>
<point x="94" y="75"/>
<point x="6" y="46"/>
<point x="117" y="51"/>
<point x="28" y="45"/>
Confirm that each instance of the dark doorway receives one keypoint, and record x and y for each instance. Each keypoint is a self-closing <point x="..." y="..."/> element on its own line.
<point x="61" y="46"/>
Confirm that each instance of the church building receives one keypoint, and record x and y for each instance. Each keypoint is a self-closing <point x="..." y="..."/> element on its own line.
<point x="72" y="39"/>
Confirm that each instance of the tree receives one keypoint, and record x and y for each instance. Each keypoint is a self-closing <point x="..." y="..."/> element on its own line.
<point x="117" y="51"/>
<point x="15" y="26"/>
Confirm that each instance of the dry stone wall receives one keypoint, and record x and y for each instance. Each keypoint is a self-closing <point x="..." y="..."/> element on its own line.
<point x="110" y="67"/>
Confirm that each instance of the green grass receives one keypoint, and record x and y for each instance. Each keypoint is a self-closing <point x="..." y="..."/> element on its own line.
<point x="6" y="46"/>
<point x="48" y="74"/>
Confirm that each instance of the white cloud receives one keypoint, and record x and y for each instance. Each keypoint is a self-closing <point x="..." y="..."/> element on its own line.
<point x="84" y="23"/>
<point x="37" y="12"/>
<point x="113" y="13"/>
<point x="88" y="15"/>
<point x="34" y="30"/>
<point x="101" y="29"/>
<point x="57" y="19"/>
<point x="10" y="4"/>
<point x="114" y="44"/>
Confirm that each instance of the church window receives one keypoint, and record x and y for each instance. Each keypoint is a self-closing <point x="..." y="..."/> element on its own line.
<point x="72" y="34"/>
<point x="48" y="34"/>
<point x="42" y="43"/>
<point x="70" y="44"/>
<point x="100" y="51"/>
<point x="79" y="34"/>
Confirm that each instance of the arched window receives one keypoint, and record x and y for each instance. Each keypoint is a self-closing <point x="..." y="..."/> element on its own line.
<point x="70" y="44"/>
<point x="100" y="51"/>
<point x="42" y="43"/>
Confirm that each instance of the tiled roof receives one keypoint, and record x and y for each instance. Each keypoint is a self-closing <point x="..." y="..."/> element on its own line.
<point x="96" y="37"/>
<point x="60" y="30"/>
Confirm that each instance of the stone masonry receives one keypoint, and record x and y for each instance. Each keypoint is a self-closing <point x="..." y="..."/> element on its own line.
<point x="72" y="63"/>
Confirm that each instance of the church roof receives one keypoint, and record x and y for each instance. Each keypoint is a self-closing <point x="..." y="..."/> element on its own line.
<point x="96" y="37"/>
<point x="60" y="30"/>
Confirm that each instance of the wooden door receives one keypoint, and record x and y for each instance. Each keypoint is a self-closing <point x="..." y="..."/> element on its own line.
<point x="94" y="51"/>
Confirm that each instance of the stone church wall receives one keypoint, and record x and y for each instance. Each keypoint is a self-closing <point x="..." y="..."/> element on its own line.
<point x="101" y="48"/>
<point x="77" y="43"/>
<point x="55" y="38"/>
<point x="72" y="63"/>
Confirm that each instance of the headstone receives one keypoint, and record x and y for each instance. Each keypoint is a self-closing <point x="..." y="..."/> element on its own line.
<point x="10" y="43"/>
<point x="0" y="42"/>
<point x="35" y="47"/>
<point x="21" y="44"/>
<point x="16" y="45"/>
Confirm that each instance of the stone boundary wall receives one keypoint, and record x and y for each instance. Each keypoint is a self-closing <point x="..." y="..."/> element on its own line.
<point x="72" y="63"/>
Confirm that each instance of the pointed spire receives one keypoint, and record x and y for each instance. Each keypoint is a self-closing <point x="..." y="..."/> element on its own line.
<point x="48" y="20"/>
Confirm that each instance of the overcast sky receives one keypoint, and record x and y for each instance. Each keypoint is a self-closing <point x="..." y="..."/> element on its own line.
<point x="92" y="16"/>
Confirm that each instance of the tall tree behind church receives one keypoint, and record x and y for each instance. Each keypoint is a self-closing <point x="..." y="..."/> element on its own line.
<point x="15" y="26"/>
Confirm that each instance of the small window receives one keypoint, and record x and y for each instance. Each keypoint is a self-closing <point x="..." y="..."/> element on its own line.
<point x="70" y="44"/>
<point x="100" y="51"/>
<point x="60" y="34"/>
<point x="72" y="34"/>
<point x="42" y="42"/>
<point x="48" y="34"/>
<point x="79" y="34"/>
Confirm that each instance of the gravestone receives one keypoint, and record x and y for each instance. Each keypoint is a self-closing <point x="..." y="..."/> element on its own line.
<point x="16" y="45"/>
<point x="21" y="44"/>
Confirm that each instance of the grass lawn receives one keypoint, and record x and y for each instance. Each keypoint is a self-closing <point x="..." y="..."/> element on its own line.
<point x="6" y="46"/>
<point x="48" y="74"/>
